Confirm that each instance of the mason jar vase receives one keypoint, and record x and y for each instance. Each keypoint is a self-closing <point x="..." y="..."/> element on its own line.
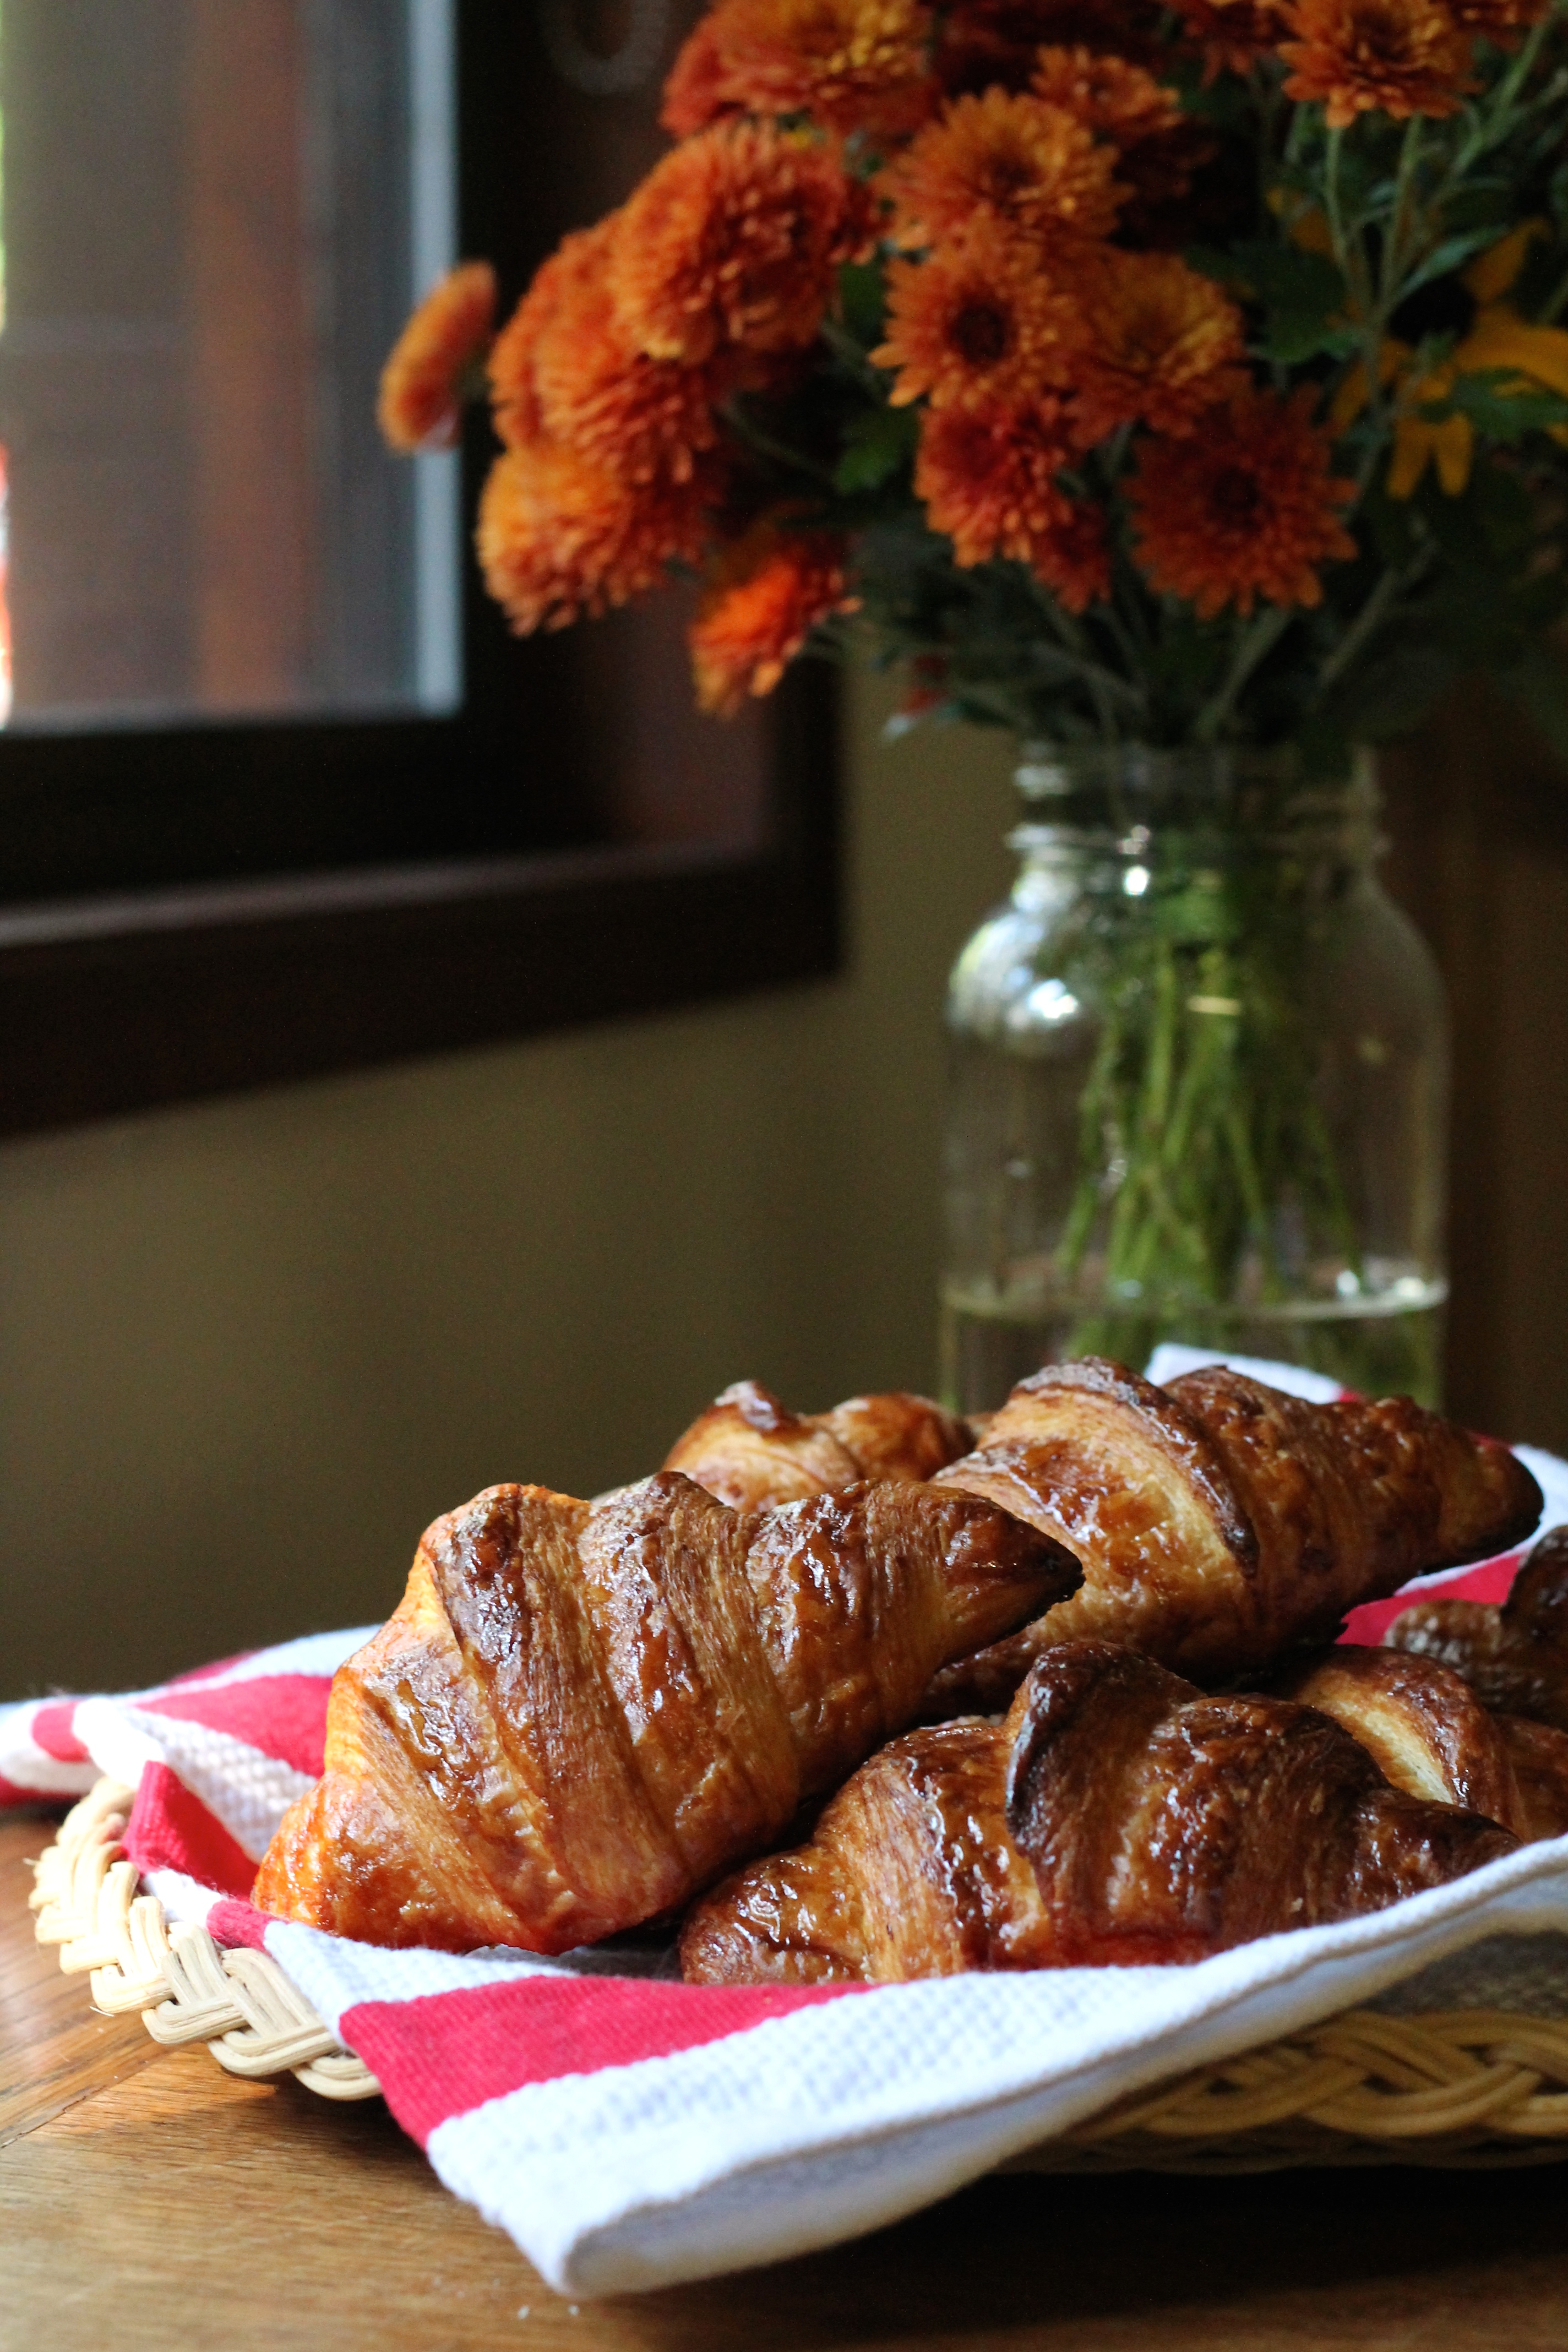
<point x="1198" y="1082"/>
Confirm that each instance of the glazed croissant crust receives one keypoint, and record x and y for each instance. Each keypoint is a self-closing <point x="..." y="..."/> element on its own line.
<point x="1220" y="1522"/>
<point x="1513" y="1656"/>
<point x="1117" y="1815"/>
<point x="749" y="1449"/>
<point x="581" y="1713"/>
<point x="1429" y="1733"/>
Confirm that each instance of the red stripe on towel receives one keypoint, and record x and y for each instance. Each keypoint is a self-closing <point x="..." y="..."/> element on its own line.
<point x="52" y="1730"/>
<point x="233" y="1922"/>
<point x="283" y="1714"/>
<point x="444" y="2053"/>
<point x="1492" y="1579"/>
<point x="170" y="1828"/>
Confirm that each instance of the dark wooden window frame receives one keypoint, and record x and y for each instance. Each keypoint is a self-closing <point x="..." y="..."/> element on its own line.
<point x="191" y="910"/>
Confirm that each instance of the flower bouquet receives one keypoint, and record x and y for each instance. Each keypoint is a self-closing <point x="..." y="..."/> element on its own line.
<point x="1174" y="384"/>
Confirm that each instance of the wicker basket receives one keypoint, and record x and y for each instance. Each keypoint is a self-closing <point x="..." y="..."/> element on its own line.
<point x="1479" y="2086"/>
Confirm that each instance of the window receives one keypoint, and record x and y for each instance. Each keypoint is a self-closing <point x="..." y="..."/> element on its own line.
<point x="202" y="522"/>
<point x="277" y="792"/>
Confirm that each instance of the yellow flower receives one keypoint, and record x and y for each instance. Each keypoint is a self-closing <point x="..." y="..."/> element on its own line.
<point x="1496" y="339"/>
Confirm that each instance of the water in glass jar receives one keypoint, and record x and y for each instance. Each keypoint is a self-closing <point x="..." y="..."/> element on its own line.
<point x="1388" y="1343"/>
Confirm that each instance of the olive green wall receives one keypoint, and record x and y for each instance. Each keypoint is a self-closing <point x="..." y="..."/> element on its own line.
<point x="247" y="1350"/>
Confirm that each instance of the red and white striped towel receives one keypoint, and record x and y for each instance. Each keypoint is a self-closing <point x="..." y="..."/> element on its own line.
<point x="628" y="2130"/>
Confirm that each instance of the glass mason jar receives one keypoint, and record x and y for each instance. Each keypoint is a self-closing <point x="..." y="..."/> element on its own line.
<point x="1198" y="1082"/>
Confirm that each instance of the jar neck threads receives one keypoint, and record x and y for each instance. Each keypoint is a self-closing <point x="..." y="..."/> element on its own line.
<point x="1134" y="804"/>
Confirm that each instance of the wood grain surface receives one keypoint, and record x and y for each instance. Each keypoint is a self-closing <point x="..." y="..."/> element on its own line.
<point x="147" y="2200"/>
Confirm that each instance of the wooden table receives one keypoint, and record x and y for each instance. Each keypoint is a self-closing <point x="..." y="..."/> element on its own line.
<point x="149" y="2200"/>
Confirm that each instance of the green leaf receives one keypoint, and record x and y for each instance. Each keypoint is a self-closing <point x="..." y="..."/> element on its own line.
<point x="1293" y="336"/>
<point x="1484" y="201"/>
<point x="1451" y="255"/>
<point x="1211" y="262"/>
<point x="861" y="301"/>
<point x="1302" y="295"/>
<point x="877" y="441"/>
<point x="1289" y="279"/>
<point x="1500" y="402"/>
<point x="1277" y="273"/>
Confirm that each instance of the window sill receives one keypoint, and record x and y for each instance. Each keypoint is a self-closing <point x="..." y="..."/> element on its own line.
<point x="125" y="1002"/>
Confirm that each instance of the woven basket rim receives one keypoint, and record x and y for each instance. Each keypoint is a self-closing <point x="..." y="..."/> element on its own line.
<point x="1456" y="2087"/>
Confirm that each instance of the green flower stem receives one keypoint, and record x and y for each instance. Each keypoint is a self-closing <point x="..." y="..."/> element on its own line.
<point x="1257" y="643"/>
<point x="1378" y="608"/>
<point x="1123" y="636"/>
<point x="1348" y="254"/>
<point x="1495" y="122"/>
<point x="1296" y="136"/>
<point x="1393" y="259"/>
<point x="1251" y="1189"/>
<point x="854" y="357"/>
<point x="748" y="430"/>
<point x="1103" y="683"/>
<point x="1198" y="1126"/>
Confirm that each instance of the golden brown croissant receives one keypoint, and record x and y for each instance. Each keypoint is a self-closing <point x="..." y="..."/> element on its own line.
<point x="581" y="1713"/>
<point x="1220" y="1522"/>
<point x="1428" y="1733"/>
<point x="1118" y="1815"/>
<point x="1539" y="1754"/>
<point x="749" y="1449"/>
<point x="1515" y="1655"/>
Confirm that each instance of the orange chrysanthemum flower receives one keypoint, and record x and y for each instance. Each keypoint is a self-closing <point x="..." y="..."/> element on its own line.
<point x="423" y="382"/>
<point x="851" y="64"/>
<point x="734" y="238"/>
<point x="558" y="538"/>
<point x="988" y="478"/>
<point x="1499" y="21"/>
<point x="976" y="323"/>
<point x="1163" y="344"/>
<point x="1398" y="57"/>
<point x="1232" y="35"/>
<point x="1032" y="167"/>
<point x="1245" y="508"/>
<point x="559" y="285"/>
<point x="695" y="89"/>
<point x="637" y="417"/>
<point x="771" y="589"/>
<point x="564" y="369"/>
<point x="1074" y="560"/>
<point x="982" y="44"/>
<point x="1110" y="96"/>
<point x="1160" y="148"/>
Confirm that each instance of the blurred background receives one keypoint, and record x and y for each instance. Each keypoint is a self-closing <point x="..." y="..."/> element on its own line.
<point x="250" y="1344"/>
<point x="248" y="1349"/>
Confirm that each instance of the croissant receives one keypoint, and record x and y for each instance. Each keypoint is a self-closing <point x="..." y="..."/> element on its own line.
<point x="581" y="1712"/>
<point x="749" y="1449"/>
<point x="1515" y="1655"/>
<point x="1219" y="1521"/>
<point x="1117" y="1815"/>
<point x="1429" y="1733"/>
